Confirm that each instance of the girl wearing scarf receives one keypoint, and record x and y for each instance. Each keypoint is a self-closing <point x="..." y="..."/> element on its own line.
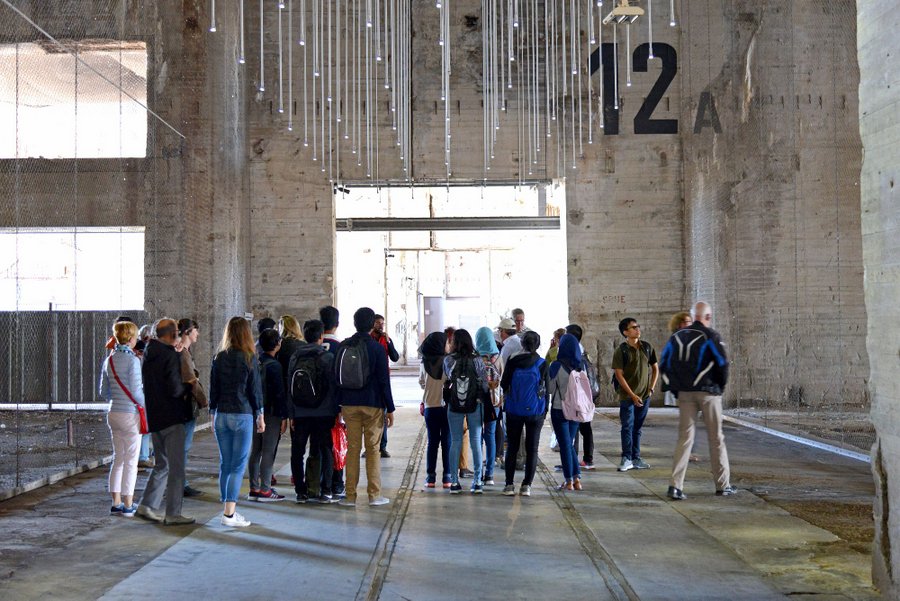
<point x="486" y="347"/>
<point x="431" y="379"/>
<point x="568" y="359"/>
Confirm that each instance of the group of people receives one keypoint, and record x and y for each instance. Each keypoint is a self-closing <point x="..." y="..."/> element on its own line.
<point x="310" y="382"/>
<point x="517" y="388"/>
<point x="287" y="378"/>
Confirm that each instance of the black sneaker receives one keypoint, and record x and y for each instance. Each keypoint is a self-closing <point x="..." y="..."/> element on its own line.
<point x="385" y="454"/>
<point x="477" y="489"/>
<point x="676" y="494"/>
<point x="455" y="489"/>
<point x="190" y="491"/>
<point x="302" y="498"/>
<point x="726" y="492"/>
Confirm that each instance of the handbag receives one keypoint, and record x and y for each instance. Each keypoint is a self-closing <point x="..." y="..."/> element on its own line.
<point x="144" y="428"/>
<point x="339" y="443"/>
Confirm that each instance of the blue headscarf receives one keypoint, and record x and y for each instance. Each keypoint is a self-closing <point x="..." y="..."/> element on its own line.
<point x="485" y="344"/>
<point x="569" y="355"/>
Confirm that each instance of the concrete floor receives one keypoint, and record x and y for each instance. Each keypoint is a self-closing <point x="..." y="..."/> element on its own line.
<point x="794" y="529"/>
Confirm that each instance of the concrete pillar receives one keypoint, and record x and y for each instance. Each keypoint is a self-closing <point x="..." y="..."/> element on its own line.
<point x="879" y="103"/>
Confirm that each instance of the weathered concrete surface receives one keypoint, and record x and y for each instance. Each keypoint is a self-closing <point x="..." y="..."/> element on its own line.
<point x="879" y="103"/>
<point x="620" y="530"/>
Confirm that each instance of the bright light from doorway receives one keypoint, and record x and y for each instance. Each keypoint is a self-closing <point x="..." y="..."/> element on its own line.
<point x="424" y="281"/>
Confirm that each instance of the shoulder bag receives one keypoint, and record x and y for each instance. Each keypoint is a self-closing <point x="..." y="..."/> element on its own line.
<point x="144" y="429"/>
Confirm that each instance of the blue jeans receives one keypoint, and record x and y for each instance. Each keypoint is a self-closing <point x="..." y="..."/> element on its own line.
<point x="456" y="441"/>
<point x="632" y="419"/>
<point x="565" y="434"/>
<point x="438" y="436"/>
<point x="490" y="444"/>
<point x="234" y="433"/>
<point x="188" y="441"/>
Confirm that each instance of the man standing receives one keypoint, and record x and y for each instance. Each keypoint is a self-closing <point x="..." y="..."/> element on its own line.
<point x="330" y="318"/>
<point x="168" y="409"/>
<point x="695" y="365"/>
<point x="385" y="341"/>
<point x="367" y="409"/>
<point x="636" y="371"/>
<point x="518" y="316"/>
<point x="510" y="344"/>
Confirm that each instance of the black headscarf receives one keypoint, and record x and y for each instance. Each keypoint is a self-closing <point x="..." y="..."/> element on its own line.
<point x="432" y="352"/>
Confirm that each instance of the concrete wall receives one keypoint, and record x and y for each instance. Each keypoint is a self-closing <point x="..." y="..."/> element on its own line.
<point x="879" y="102"/>
<point x="189" y="194"/>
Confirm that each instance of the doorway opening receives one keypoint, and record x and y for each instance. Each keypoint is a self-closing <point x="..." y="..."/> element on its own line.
<point x="465" y="256"/>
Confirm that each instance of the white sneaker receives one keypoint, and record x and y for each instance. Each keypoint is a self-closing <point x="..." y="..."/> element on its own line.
<point x="235" y="521"/>
<point x="379" y="501"/>
<point x="625" y="465"/>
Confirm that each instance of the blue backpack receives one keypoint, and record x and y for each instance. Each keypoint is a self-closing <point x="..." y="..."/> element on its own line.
<point x="527" y="392"/>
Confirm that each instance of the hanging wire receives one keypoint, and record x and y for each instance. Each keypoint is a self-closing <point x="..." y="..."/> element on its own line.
<point x="650" y="26"/>
<point x="290" y="65"/>
<point x="587" y="67"/>
<point x="600" y="106"/>
<point x="671" y="13"/>
<point x="241" y="58"/>
<point x="212" y="16"/>
<point x="628" y="54"/>
<point x="280" y="64"/>
<point x="262" y="84"/>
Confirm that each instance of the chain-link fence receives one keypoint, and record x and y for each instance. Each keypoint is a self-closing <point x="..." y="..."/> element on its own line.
<point x="81" y="159"/>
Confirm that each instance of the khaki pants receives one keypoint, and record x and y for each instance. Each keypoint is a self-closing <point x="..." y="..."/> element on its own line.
<point x="464" y="452"/>
<point x="689" y="403"/>
<point x="364" y="425"/>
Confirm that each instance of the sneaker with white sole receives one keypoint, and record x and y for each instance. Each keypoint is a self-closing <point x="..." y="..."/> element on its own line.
<point x="268" y="496"/>
<point x="509" y="490"/>
<point x="128" y="512"/>
<point x="640" y="464"/>
<point x="235" y="521"/>
<point x="525" y="490"/>
<point x="345" y="502"/>
<point x="117" y="509"/>
<point x="178" y="520"/>
<point x="625" y="465"/>
<point x="379" y="501"/>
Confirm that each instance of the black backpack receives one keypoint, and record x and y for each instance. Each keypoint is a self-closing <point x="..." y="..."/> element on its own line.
<point x="308" y="384"/>
<point x="461" y="390"/>
<point x="626" y="351"/>
<point x="591" y="372"/>
<point x="351" y="363"/>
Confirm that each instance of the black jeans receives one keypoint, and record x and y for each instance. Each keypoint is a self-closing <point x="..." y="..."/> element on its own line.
<point x="316" y="430"/>
<point x="438" y="436"/>
<point x="587" y="433"/>
<point x="514" y="426"/>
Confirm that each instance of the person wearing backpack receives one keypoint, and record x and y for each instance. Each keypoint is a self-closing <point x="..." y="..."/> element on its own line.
<point x="262" y="450"/>
<point x="487" y="349"/>
<point x="434" y="410"/>
<point x="696" y="367"/>
<point x="312" y="407"/>
<point x="636" y="371"/>
<point x="568" y="360"/>
<point x="524" y="383"/>
<point x="463" y="393"/>
<point x="585" y="429"/>
<point x="364" y="394"/>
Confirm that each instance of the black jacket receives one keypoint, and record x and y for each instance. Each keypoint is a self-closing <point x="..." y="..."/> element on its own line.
<point x="694" y="360"/>
<point x="274" y="397"/>
<point x="234" y="385"/>
<point x="329" y="407"/>
<point x="164" y="391"/>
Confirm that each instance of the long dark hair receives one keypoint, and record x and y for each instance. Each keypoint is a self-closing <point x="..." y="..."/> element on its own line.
<point x="462" y="344"/>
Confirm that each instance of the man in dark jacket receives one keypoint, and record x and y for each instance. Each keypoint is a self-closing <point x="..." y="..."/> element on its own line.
<point x="695" y="365"/>
<point x="366" y="411"/>
<point x="385" y="341"/>
<point x="312" y="415"/>
<point x="168" y="409"/>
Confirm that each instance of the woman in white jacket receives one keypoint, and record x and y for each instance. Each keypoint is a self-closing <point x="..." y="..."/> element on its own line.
<point x="123" y="394"/>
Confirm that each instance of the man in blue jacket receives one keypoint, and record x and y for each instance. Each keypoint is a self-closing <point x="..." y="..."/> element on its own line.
<point x="695" y="365"/>
<point x="366" y="410"/>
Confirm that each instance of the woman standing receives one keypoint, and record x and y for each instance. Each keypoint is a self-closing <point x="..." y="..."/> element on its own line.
<point x="679" y="321"/>
<point x="431" y="379"/>
<point x="235" y="400"/>
<point x="463" y="367"/>
<point x="487" y="349"/>
<point x="120" y="384"/>
<point x="189" y="332"/>
<point x="568" y="360"/>
<point x="524" y="385"/>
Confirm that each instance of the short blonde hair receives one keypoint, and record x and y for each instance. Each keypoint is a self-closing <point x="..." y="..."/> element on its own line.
<point x="677" y="320"/>
<point x="289" y="327"/>
<point x="124" y="331"/>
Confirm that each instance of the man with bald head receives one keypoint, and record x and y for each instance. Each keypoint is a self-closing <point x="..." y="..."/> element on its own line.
<point x="695" y="365"/>
<point x="168" y="409"/>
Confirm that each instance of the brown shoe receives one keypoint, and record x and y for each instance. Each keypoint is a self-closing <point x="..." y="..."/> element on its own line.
<point x="577" y="484"/>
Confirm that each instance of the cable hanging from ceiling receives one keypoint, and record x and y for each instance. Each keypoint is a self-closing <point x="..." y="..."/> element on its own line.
<point x="536" y="74"/>
<point x="355" y="56"/>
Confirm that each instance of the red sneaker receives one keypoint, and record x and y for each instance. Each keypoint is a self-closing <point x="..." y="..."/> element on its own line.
<point x="268" y="496"/>
<point x="274" y="481"/>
